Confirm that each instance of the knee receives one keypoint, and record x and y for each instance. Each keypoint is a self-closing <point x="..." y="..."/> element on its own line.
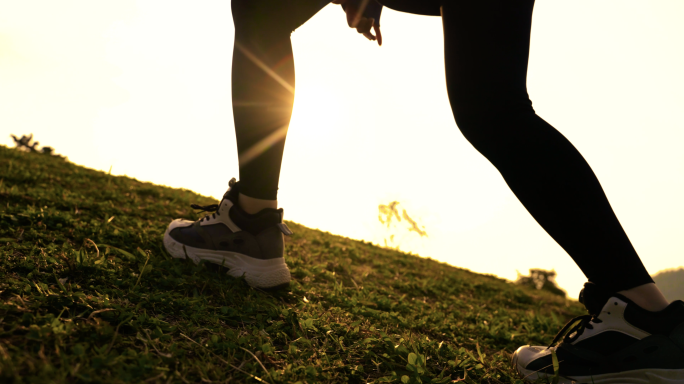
<point x="490" y="116"/>
<point x="480" y="130"/>
<point x="494" y="129"/>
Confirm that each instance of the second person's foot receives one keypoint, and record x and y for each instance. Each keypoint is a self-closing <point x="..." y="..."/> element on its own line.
<point x="248" y="245"/>
<point x="618" y="342"/>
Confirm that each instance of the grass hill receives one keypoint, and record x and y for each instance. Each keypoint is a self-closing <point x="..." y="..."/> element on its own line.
<point x="671" y="282"/>
<point x="88" y="294"/>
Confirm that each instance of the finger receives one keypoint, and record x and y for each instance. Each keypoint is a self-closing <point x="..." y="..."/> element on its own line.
<point x="378" y="35"/>
<point x="367" y="33"/>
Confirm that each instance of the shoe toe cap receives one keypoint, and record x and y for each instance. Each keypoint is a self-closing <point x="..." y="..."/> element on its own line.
<point x="184" y="233"/>
<point x="524" y="356"/>
<point x="179" y="223"/>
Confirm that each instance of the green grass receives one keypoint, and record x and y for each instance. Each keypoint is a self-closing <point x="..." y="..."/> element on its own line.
<point x="127" y="312"/>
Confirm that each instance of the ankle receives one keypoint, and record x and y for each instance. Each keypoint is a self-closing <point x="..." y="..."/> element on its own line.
<point x="252" y="205"/>
<point x="647" y="296"/>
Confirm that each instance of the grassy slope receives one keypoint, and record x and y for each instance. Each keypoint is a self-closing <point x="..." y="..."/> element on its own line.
<point x="354" y="312"/>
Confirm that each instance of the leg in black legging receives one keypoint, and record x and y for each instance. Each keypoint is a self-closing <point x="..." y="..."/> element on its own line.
<point x="486" y="54"/>
<point x="263" y="80"/>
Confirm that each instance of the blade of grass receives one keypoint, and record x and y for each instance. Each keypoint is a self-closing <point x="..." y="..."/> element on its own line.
<point x="121" y="251"/>
<point x="93" y="313"/>
<point x="96" y="248"/>
<point x="556" y="367"/>
<point x="142" y="271"/>
<point x="116" y="332"/>
<point x="479" y="353"/>
<point x="258" y="361"/>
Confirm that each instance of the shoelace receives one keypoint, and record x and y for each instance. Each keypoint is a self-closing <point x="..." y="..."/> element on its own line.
<point x="575" y="328"/>
<point x="213" y="207"/>
<point x="207" y="208"/>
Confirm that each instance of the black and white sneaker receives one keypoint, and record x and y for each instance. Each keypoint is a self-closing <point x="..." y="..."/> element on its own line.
<point x="249" y="245"/>
<point x="618" y="342"/>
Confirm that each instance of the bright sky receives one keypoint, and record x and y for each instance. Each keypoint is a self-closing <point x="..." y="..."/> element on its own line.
<point x="143" y="87"/>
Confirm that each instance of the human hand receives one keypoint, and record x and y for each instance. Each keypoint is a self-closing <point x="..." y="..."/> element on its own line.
<point x="363" y="25"/>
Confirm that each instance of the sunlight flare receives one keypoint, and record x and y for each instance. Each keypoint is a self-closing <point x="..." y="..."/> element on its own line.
<point x="263" y="145"/>
<point x="264" y="67"/>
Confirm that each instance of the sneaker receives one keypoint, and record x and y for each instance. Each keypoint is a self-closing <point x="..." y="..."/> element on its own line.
<point x="249" y="245"/>
<point x="618" y="342"/>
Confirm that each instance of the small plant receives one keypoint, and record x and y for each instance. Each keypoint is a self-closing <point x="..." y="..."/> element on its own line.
<point x="542" y="280"/>
<point x="389" y="216"/>
<point x="25" y="143"/>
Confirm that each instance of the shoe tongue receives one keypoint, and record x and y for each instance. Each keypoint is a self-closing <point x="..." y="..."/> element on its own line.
<point x="255" y="223"/>
<point x="233" y="193"/>
<point x="594" y="297"/>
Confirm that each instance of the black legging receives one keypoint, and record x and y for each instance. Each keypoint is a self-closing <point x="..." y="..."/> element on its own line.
<point x="486" y="54"/>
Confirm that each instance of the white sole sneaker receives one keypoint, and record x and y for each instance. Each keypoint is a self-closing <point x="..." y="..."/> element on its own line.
<point x="258" y="273"/>
<point x="617" y="342"/>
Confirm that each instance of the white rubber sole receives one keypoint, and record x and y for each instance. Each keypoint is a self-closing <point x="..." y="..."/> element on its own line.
<point x="258" y="273"/>
<point x="640" y="376"/>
